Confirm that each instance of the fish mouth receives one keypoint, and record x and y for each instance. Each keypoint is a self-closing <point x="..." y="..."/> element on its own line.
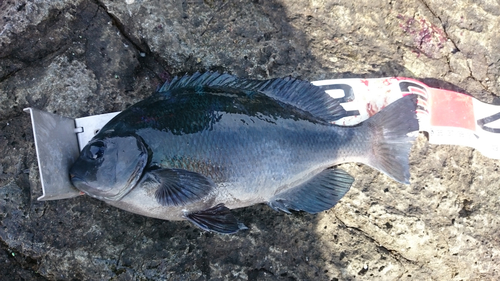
<point x="79" y="183"/>
<point x="108" y="195"/>
<point x="91" y="191"/>
<point x="86" y="188"/>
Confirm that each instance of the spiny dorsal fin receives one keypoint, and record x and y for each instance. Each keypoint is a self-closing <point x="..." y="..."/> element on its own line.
<point x="299" y="93"/>
<point x="207" y="79"/>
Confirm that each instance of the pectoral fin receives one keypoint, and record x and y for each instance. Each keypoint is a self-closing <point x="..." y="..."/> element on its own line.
<point x="217" y="219"/>
<point x="177" y="186"/>
<point x="320" y="193"/>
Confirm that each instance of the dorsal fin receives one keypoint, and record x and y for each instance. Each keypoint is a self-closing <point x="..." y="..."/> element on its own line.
<point x="207" y="79"/>
<point x="299" y="93"/>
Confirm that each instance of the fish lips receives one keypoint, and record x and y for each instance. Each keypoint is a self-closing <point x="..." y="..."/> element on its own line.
<point x="80" y="184"/>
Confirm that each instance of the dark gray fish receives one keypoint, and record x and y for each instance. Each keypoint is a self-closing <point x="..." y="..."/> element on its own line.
<point x="208" y="143"/>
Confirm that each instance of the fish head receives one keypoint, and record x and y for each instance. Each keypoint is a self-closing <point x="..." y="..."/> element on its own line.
<point x="109" y="167"/>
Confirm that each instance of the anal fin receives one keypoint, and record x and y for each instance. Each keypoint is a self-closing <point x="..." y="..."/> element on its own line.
<point x="217" y="219"/>
<point x="318" y="194"/>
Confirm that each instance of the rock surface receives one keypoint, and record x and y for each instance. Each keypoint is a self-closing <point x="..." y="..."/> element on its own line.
<point x="85" y="57"/>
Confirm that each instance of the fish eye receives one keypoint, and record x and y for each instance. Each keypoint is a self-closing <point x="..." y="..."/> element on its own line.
<point x="95" y="150"/>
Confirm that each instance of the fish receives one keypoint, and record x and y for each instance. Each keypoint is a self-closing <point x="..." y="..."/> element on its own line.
<point x="207" y="143"/>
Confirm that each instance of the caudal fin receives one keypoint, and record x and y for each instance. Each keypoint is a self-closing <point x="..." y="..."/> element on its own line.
<point x="392" y="133"/>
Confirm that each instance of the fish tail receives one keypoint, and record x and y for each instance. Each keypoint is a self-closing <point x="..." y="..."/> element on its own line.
<point x="392" y="132"/>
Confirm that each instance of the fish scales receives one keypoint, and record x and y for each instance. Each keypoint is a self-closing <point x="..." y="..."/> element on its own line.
<point x="254" y="158"/>
<point x="212" y="142"/>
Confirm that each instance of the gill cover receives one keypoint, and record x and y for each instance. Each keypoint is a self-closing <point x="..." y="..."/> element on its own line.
<point x="110" y="167"/>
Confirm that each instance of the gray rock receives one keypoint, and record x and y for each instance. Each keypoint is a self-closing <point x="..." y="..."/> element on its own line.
<point x="78" y="58"/>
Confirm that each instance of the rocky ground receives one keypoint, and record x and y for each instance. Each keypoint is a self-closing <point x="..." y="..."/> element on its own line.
<point x="84" y="57"/>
